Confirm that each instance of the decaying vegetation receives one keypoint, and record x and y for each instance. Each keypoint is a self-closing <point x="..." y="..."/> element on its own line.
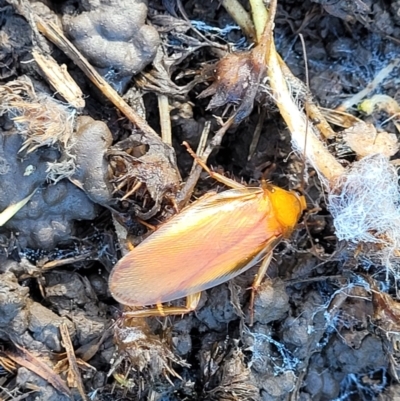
<point x="91" y="162"/>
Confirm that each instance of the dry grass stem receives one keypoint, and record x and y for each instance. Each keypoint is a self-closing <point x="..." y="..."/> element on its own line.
<point x="165" y="120"/>
<point x="240" y="16"/>
<point x="59" y="79"/>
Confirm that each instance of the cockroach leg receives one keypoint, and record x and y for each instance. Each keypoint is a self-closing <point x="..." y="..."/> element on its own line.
<point x="257" y="282"/>
<point x="219" y="177"/>
<point x="192" y="301"/>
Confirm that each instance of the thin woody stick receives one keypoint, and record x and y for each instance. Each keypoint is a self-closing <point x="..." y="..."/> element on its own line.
<point x="53" y="33"/>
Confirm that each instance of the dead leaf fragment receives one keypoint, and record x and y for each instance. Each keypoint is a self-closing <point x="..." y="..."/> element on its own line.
<point x="24" y="358"/>
<point x="365" y="140"/>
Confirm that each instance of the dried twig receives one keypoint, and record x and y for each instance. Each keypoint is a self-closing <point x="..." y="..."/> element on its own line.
<point x="187" y="189"/>
<point x="74" y="376"/>
<point x="54" y="34"/>
<point x="185" y="193"/>
<point x="257" y="133"/>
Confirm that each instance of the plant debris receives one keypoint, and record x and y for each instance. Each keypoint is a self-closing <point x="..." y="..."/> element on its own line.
<point x="97" y="98"/>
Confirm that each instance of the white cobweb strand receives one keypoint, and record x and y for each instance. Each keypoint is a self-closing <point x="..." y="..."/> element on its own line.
<point x="365" y="207"/>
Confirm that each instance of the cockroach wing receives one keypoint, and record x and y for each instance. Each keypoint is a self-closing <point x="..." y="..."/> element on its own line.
<point x="208" y="243"/>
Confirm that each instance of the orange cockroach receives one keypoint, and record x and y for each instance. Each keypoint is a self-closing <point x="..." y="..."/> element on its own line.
<point x="214" y="239"/>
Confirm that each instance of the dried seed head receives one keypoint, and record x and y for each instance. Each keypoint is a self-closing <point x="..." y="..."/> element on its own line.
<point x="236" y="80"/>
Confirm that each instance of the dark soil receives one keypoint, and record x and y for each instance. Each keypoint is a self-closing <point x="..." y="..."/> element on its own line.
<point x="316" y="334"/>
